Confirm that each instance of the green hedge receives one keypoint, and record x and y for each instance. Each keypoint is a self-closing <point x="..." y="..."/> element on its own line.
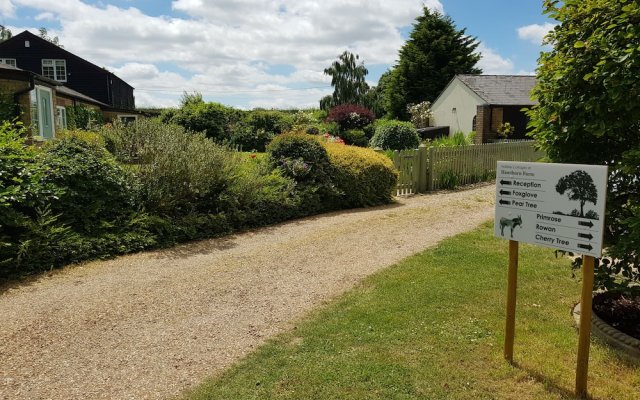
<point x="363" y="177"/>
<point x="395" y="135"/>
<point x="148" y="184"/>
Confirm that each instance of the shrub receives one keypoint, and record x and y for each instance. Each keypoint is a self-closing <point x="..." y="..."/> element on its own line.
<point x="89" y="137"/>
<point x="458" y="139"/>
<point x="19" y="189"/>
<point x="213" y="119"/>
<point x="303" y="118"/>
<point x="7" y="107"/>
<point x="420" y="114"/>
<point x="275" y="122"/>
<point x="69" y="202"/>
<point x="259" y="195"/>
<point x="395" y="135"/>
<point x="295" y="145"/>
<point x="180" y="171"/>
<point x="249" y="138"/>
<point x="81" y="117"/>
<point x="449" y="180"/>
<point x="350" y="116"/>
<point x="362" y="176"/>
<point x="93" y="190"/>
<point x="356" y="137"/>
<point x="588" y="113"/>
<point x="302" y="157"/>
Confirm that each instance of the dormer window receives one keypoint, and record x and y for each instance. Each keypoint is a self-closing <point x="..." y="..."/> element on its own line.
<point x="54" y="69"/>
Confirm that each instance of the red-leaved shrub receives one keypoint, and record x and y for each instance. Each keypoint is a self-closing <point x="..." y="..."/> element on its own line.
<point x="350" y="116"/>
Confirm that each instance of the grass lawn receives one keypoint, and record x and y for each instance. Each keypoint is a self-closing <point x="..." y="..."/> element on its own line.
<point x="432" y="327"/>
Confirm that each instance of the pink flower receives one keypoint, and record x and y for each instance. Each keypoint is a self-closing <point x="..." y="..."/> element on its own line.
<point x="326" y="135"/>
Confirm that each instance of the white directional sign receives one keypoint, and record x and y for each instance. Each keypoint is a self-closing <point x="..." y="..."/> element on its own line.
<point x="553" y="205"/>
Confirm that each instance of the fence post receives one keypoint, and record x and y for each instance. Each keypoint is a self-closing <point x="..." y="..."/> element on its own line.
<point x="430" y="170"/>
<point x="422" y="168"/>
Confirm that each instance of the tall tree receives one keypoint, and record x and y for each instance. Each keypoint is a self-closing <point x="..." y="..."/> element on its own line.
<point x="435" y="52"/>
<point x="588" y="113"/>
<point x="5" y="33"/>
<point x="348" y="80"/>
<point x="45" y="35"/>
<point x="374" y="98"/>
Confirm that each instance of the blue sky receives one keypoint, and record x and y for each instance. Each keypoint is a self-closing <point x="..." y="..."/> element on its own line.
<point x="265" y="53"/>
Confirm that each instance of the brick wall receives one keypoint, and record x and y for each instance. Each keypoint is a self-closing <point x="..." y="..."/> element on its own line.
<point x="483" y="123"/>
<point x="11" y="86"/>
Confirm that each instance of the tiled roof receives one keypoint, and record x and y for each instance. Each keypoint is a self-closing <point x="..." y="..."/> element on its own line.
<point x="504" y="90"/>
<point x="59" y="87"/>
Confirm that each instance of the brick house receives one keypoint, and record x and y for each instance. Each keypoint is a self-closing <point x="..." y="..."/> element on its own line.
<point x="32" y="53"/>
<point x="41" y="102"/>
<point x="482" y="103"/>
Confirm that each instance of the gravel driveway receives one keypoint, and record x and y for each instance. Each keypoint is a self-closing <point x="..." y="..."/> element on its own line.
<point x="149" y="325"/>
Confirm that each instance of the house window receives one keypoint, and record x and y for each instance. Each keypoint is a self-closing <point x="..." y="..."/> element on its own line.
<point x="127" y="119"/>
<point x="55" y="69"/>
<point x="8" y="61"/>
<point x="61" y="117"/>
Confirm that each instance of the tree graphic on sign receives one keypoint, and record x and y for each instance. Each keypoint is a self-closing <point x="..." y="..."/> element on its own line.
<point x="579" y="186"/>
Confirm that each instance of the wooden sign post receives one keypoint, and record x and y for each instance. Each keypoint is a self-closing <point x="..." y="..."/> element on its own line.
<point x="588" y="263"/>
<point x="512" y="284"/>
<point x="535" y="204"/>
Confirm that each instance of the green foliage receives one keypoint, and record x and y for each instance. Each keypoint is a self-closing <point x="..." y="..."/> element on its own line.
<point x="362" y="176"/>
<point x="93" y="191"/>
<point x="7" y="107"/>
<point x="18" y="189"/>
<point x="260" y="195"/>
<point x="72" y="200"/>
<point x="435" y="52"/>
<point x="449" y="180"/>
<point x="355" y="137"/>
<point x="44" y="34"/>
<point x="304" y="159"/>
<point x="294" y="145"/>
<point x="249" y="138"/>
<point x="81" y="117"/>
<point x="269" y="121"/>
<point x="348" y="81"/>
<point x="180" y="171"/>
<point x="395" y="135"/>
<point x="505" y="130"/>
<point x="195" y="115"/>
<point x="5" y="34"/>
<point x="458" y="139"/>
<point x="258" y="127"/>
<point x="375" y="96"/>
<point x="89" y="137"/>
<point x="65" y="203"/>
<point x="585" y="116"/>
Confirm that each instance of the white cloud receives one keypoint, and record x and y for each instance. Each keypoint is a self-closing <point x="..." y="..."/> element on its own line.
<point x="493" y="63"/>
<point x="7" y="8"/>
<point x="45" y="16"/>
<point x="535" y="33"/>
<point x="221" y="47"/>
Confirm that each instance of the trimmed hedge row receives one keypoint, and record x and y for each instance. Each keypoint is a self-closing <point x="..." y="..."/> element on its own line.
<point x="150" y="184"/>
